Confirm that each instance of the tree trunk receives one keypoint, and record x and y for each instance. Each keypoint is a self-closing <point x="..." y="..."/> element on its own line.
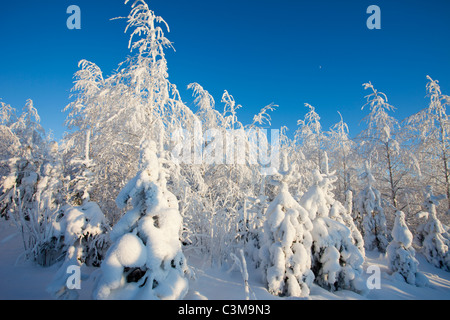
<point x="391" y="177"/>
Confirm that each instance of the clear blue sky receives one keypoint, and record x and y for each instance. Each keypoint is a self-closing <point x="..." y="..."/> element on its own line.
<point x="283" y="51"/>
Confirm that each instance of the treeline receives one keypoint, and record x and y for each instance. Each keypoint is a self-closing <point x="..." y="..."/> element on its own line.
<point x="391" y="166"/>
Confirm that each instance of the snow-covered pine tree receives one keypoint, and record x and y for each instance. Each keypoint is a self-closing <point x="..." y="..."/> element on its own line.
<point x="286" y="250"/>
<point x="83" y="231"/>
<point x="81" y="183"/>
<point x="145" y="260"/>
<point x="225" y="178"/>
<point x="430" y="234"/>
<point x="336" y="259"/>
<point x="371" y="213"/>
<point x="310" y="137"/>
<point x="401" y="254"/>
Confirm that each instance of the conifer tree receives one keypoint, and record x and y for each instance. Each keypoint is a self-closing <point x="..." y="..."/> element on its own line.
<point x="336" y="259"/>
<point x="286" y="252"/>
<point x="431" y="234"/>
<point x="371" y="213"/>
<point x="145" y="260"/>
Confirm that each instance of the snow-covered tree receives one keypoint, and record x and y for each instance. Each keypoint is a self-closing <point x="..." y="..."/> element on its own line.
<point x="33" y="191"/>
<point x="286" y="249"/>
<point x="48" y="198"/>
<point x="83" y="232"/>
<point x="311" y="137"/>
<point x="255" y="210"/>
<point x="19" y="185"/>
<point x="110" y="115"/>
<point x="9" y="142"/>
<point x="401" y="254"/>
<point x="226" y="181"/>
<point x="85" y="114"/>
<point x="341" y="214"/>
<point x="381" y="145"/>
<point x="431" y="132"/>
<point x="81" y="181"/>
<point x="370" y="213"/>
<point x="343" y="158"/>
<point x="145" y="260"/>
<point x="336" y="259"/>
<point x="30" y="132"/>
<point x="85" y="111"/>
<point x="430" y="234"/>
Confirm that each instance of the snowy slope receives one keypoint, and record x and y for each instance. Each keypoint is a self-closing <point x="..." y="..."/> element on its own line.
<point x="23" y="280"/>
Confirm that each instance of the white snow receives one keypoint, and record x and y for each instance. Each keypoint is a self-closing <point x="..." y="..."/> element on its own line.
<point x="27" y="281"/>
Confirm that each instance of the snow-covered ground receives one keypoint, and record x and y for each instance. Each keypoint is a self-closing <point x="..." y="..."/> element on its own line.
<point x="23" y="280"/>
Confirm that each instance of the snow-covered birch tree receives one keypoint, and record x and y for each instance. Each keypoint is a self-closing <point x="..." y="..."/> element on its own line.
<point x="342" y="157"/>
<point x="431" y="128"/>
<point x="381" y="145"/>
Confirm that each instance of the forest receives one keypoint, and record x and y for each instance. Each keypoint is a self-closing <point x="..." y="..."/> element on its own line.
<point x="140" y="181"/>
